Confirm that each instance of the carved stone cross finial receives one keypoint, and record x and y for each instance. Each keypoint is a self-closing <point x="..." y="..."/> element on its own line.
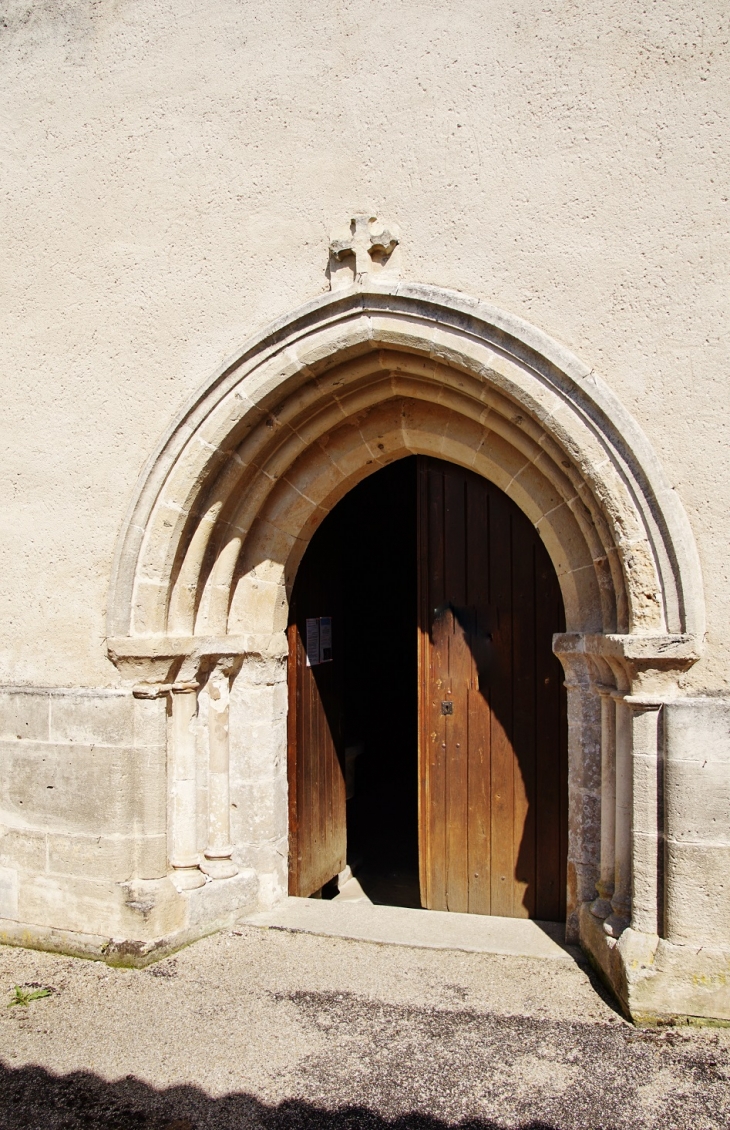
<point x="365" y="250"/>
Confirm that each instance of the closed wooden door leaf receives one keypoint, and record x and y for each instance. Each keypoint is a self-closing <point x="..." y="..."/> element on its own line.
<point x="492" y="727"/>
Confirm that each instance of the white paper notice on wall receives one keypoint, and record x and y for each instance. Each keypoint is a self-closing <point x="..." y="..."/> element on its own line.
<point x="319" y="640"/>
<point x="325" y="639"/>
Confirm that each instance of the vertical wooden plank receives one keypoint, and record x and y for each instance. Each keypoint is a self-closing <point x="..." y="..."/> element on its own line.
<point x="503" y="861"/>
<point x="459" y="673"/>
<point x="326" y="798"/>
<point x="308" y="797"/>
<point x="439" y="685"/>
<point x="454" y="480"/>
<point x="433" y="829"/>
<point x="478" y="703"/>
<point x="313" y="768"/>
<point x="524" y="722"/>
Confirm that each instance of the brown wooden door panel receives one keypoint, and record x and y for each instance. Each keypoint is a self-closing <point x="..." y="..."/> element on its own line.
<point x="317" y="804"/>
<point x="493" y="774"/>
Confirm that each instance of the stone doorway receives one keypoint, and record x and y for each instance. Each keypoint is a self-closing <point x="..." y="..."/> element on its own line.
<point x="427" y="735"/>
<point x="226" y="508"/>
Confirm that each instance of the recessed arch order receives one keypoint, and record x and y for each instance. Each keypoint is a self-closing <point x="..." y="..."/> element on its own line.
<point x="351" y="381"/>
<point x="226" y="506"/>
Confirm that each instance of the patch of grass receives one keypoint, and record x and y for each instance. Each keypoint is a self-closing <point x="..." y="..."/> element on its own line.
<point x="24" y="994"/>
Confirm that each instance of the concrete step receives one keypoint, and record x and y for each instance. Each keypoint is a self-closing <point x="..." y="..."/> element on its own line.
<point x="423" y="929"/>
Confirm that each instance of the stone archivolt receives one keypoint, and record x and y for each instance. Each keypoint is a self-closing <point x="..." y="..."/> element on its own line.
<point x="352" y="382"/>
<point x="349" y="383"/>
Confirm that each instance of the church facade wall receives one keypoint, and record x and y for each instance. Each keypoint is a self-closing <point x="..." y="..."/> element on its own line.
<point x="175" y="182"/>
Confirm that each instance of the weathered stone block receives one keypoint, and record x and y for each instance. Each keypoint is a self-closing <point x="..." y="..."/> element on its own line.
<point x="104" y="857"/>
<point x="92" y="857"/>
<point x="151" y="908"/>
<point x="317" y="477"/>
<point x="92" y="719"/>
<point x="259" y="605"/>
<point x="24" y="848"/>
<point x="80" y="788"/>
<point x="260" y="670"/>
<point x="150" y="721"/>
<point x="698" y="892"/>
<point x="150" y="857"/>
<point x="258" y="732"/>
<point x="24" y="715"/>
<point x="261" y="812"/>
<point x="644" y="807"/>
<point x="270" y="861"/>
<point x="697" y="802"/>
<point x="223" y="899"/>
<point x="697" y="729"/>
<point x="150" y="789"/>
<point x="69" y="903"/>
<point x="138" y="909"/>
<point x="584" y="828"/>
<point x="9" y="893"/>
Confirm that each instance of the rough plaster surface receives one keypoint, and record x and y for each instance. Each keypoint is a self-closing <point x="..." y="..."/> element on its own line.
<point x="264" y="1029"/>
<point x="173" y="181"/>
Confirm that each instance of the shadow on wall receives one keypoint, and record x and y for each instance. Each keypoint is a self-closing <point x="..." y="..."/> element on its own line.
<point x="33" y="1097"/>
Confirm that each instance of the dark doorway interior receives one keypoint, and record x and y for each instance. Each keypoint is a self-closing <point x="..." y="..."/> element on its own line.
<point x="378" y="527"/>
<point x="361" y="569"/>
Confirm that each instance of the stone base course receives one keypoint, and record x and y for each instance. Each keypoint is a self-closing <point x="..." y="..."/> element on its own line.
<point x="657" y="982"/>
<point x="178" y="917"/>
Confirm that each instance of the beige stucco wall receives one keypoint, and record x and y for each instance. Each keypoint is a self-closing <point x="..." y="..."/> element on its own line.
<point x="172" y="172"/>
<point x="172" y="175"/>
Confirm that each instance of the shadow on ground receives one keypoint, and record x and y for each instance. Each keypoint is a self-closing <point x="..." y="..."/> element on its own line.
<point x="32" y="1098"/>
<point x="359" y="1063"/>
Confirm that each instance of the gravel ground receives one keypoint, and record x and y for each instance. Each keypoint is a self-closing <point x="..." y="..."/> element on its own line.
<point x="270" y="1029"/>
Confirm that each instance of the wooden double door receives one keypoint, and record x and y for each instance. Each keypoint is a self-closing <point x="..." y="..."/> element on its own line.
<point x="487" y="693"/>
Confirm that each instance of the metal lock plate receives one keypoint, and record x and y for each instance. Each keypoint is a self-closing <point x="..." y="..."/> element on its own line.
<point x="447" y="708"/>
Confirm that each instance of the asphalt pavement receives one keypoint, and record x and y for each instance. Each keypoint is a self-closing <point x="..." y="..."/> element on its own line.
<point x="274" y="1029"/>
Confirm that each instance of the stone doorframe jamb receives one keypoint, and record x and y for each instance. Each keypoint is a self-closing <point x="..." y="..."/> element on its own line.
<point x="632" y="678"/>
<point x="178" y="669"/>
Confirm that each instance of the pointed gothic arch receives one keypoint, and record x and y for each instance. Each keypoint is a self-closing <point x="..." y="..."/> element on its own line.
<point x="350" y="382"/>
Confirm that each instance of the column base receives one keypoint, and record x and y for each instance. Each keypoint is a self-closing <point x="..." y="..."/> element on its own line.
<point x="601" y="908"/>
<point x="219" y="868"/>
<point x="656" y="981"/>
<point x="187" y="878"/>
<point x="615" y="924"/>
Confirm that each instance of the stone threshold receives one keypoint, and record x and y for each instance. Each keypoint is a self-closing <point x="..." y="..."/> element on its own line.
<point x="421" y="929"/>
